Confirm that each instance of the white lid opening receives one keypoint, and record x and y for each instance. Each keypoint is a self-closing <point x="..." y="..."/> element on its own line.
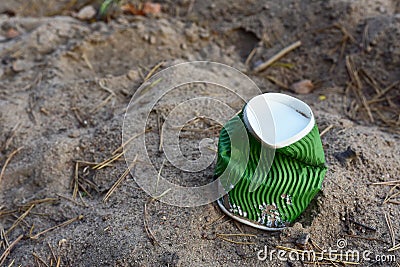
<point x="278" y="120"/>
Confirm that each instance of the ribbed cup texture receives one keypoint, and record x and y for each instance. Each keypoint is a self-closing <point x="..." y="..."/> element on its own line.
<point x="285" y="190"/>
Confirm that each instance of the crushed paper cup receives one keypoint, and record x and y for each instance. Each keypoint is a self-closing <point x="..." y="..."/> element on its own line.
<point x="285" y="163"/>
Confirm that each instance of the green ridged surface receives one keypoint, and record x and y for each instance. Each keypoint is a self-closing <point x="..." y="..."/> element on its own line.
<point x="295" y="176"/>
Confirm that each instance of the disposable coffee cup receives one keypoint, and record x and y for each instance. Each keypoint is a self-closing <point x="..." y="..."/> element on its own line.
<point x="282" y="165"/>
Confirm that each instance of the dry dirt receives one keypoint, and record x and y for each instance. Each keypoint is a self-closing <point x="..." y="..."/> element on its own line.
<point x="53" y="72"/>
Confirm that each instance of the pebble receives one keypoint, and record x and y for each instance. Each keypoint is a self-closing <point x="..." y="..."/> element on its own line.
<point x="303" y="240"/>
<point x="18" y="65"/>
<point x="133" y="75"/>
<point x="74" y="134"/>
<point x="86" y="13"/>
<point x="152" y="39"/>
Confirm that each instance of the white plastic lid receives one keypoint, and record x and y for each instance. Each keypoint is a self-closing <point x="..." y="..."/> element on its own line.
<point x="278" y="120"/>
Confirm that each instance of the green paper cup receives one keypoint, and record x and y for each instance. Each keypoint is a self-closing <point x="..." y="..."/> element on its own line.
<point x="276" y="168"/>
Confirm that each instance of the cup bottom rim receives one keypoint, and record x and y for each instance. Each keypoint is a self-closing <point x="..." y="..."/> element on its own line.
<point x="246" y="221"/>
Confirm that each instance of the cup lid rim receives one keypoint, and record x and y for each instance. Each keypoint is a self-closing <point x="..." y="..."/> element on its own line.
<point x="291" y="102"/>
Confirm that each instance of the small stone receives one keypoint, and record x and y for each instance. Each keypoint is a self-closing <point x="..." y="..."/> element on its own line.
<point x="183" y="46"/>
<point x="204" y="34"/>
<point x="152" y="39"/>
<point x="302" y="87"/>
<point x="240" y="252"/>
<point x="303" y="240"/>
<point x="62" y="242"/>
<point x="18" y="66"/>
<point x="133" y="75"/>
<point x="74" y="134"/>
<point x="86" y="13"/>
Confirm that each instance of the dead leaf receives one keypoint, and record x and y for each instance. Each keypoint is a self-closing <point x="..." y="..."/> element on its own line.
<point x="151" y="8"/>
<point x="146" y="9"/>
<point x="130" y="8"/>
<point x="302" y="87"/>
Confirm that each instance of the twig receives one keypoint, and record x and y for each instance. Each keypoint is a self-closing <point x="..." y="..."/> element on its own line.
<point x="3" y="236"/>
<point x="363" y="225"/>
<point x="38" y="201"/>
<point x="19" y="219"/>
<point x="104" y="87"/>
<point x="108" y="98"/>
<point x="39" y="259"/>
<point x="11" y="136"/>
<point x="160" y="133"/>
<point x="8" y="161"/>
<point x="326" y="130"/>
<point x="8" y="250"/>
<point x="387" y="183"/>
<point x="283" y="52"/>
<point x="81" y="198"/>
<point x="159" y="175"/>
<point x="82" y="122"/>
<point x="106" y="162"/>
<point x="397" y="247"/>
<point x="52" y="252"/>
<point x="345" y="32"/>
<point x="58" y="261"/>
<point x="241" y="234"/>
<point x="237" y="224"/>
<point x="371" y="81"/>
<point x="353" y="73"/>
<point x="250" y="56"/>
<point x="128" y="141"/>
<point x="120" y="179"/>
<point x="383" y="92"/>
<point x="215" y="221"/>
<point x="234" y="242"/>
<point x="70" y="199"/>
<point x="154" y="69"/>
<point x="87" y="61"/>
<point x="389" y="224"/>
<point x="80" y="217"/>
<point x="76" y="177"/>
<point x="277" y="82"/>
<point x="11" y="263"/>
<point x="389" y="196"/>
<point x="162" y="194"/>
<point x="102" y="104"/>
<point x="149" y="233"/>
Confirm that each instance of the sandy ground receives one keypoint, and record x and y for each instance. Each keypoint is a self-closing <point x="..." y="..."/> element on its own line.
<point x="57" y="71"/>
